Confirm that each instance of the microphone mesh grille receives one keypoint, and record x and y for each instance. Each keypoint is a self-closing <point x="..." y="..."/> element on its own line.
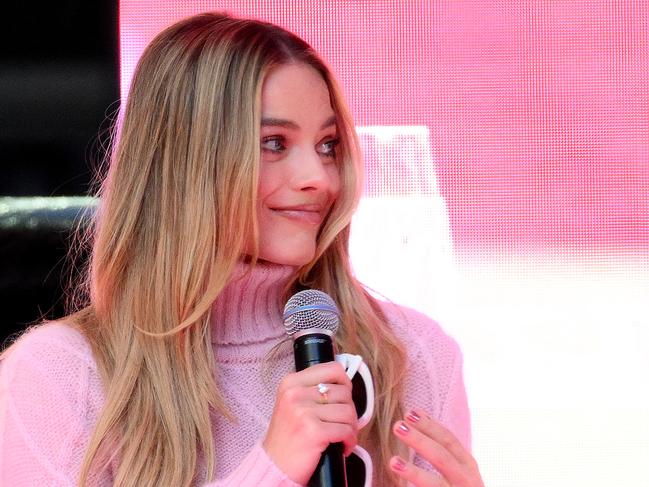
<point x="310" y="309"/>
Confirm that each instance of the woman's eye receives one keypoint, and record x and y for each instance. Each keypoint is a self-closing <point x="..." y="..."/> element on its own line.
<point x="328" y="148"/>
<point x="273" y="144"/>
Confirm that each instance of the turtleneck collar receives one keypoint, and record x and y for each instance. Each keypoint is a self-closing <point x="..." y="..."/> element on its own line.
<point x="249" y="310"/>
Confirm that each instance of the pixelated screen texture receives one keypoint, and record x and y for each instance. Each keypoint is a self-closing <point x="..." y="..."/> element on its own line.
<point x="507" y="195"/>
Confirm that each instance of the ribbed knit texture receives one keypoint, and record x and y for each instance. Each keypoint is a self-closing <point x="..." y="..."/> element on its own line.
<point x="51" y="393"/>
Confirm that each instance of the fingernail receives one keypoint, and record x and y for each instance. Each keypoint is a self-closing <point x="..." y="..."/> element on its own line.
<point x="403" y="428"/>
<point x="413" y="417"/>
<point x="399" y="465"/>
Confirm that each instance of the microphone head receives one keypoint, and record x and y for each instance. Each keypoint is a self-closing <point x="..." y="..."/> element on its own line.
<point x="311" y="310"/>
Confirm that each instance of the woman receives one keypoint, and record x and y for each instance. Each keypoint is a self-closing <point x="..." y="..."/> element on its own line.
<point x="234" y="174"/>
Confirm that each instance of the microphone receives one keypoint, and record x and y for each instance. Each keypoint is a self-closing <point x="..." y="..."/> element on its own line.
<point x="311" y="318"/>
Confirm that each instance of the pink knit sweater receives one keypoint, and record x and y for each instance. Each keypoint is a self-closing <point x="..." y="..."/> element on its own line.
<point x="51" y="393"/>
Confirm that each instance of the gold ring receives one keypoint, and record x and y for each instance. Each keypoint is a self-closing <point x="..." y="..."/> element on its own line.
<point x="323" y="389"/>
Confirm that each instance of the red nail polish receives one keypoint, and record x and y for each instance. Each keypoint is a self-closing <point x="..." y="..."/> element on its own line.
<point x="403" y="428"/>
<point x="413" y="417"/>
<point x="399" y="465"/>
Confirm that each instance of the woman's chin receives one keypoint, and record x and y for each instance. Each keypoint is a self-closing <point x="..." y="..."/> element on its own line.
<point x="284" y="257"/>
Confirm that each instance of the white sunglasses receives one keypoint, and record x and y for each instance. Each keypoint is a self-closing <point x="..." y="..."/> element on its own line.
<point x="359" y="465"/>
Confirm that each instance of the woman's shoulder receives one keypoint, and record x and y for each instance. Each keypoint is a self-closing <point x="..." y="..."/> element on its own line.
<point x="49" y="354"/>
<point x="51" y="340"/>
<point x="418" y="331"/>
<point x="50" y="398"/>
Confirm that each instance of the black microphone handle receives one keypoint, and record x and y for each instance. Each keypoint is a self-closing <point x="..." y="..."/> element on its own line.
<point x="330" y="471"/>
<point x="311" y="349"/>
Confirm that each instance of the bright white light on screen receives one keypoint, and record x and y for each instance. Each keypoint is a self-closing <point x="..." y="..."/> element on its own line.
<point x="401" y="242"/>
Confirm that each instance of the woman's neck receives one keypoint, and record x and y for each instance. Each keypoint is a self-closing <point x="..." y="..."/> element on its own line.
<point x="249" y="309"/>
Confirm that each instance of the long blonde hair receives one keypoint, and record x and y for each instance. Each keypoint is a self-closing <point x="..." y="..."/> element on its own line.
<point x="177" y="206"/>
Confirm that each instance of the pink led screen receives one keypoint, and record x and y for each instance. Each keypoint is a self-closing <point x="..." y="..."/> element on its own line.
<point x="507" y="194"/>
<point x="538" y="112"/>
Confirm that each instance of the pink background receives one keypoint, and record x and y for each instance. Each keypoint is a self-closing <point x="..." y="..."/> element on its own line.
<point x="538" y="112"/>
<point x="507" y="195"/>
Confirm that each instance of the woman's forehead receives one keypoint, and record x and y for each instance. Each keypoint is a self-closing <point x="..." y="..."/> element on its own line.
<point x="296" y="93"/>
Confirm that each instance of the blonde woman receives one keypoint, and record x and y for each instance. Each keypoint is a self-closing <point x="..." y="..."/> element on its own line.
<point x="232" y="180"/>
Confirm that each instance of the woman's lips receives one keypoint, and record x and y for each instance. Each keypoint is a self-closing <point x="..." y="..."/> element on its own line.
<point x="305" y="214"/>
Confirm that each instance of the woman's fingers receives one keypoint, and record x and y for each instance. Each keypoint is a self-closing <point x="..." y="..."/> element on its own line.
<point x="342" y="433"/>
<point x="438" y="433"/>
<point x="337" y="413"/>
<point x="429" y="449"/>
<point x="416" y="475"/>
<point x="440" y="447"/>
<point x="313" y="408"/>
<point x="340" y="416"/>
<point x="335" y="394"/>
<point x="326" y="373"/>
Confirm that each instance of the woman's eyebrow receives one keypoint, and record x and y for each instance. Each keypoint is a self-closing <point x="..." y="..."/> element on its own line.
<point x="278" y="122"/>
<point x="329" y="122"/>
<point x="288" y="124"/>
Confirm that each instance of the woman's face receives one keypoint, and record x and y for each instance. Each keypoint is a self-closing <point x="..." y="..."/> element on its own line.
<point x="299" y="176"/>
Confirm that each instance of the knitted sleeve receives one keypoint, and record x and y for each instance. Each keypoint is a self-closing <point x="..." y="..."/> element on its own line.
<point x="257" y="469"/>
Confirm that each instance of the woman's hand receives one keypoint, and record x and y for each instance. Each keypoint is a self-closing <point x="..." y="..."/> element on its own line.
<point x="437" y="445"/>
<point x="305" y="422"/>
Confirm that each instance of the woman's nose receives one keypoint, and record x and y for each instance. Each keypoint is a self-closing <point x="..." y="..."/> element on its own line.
<point x="312" y="172"/>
